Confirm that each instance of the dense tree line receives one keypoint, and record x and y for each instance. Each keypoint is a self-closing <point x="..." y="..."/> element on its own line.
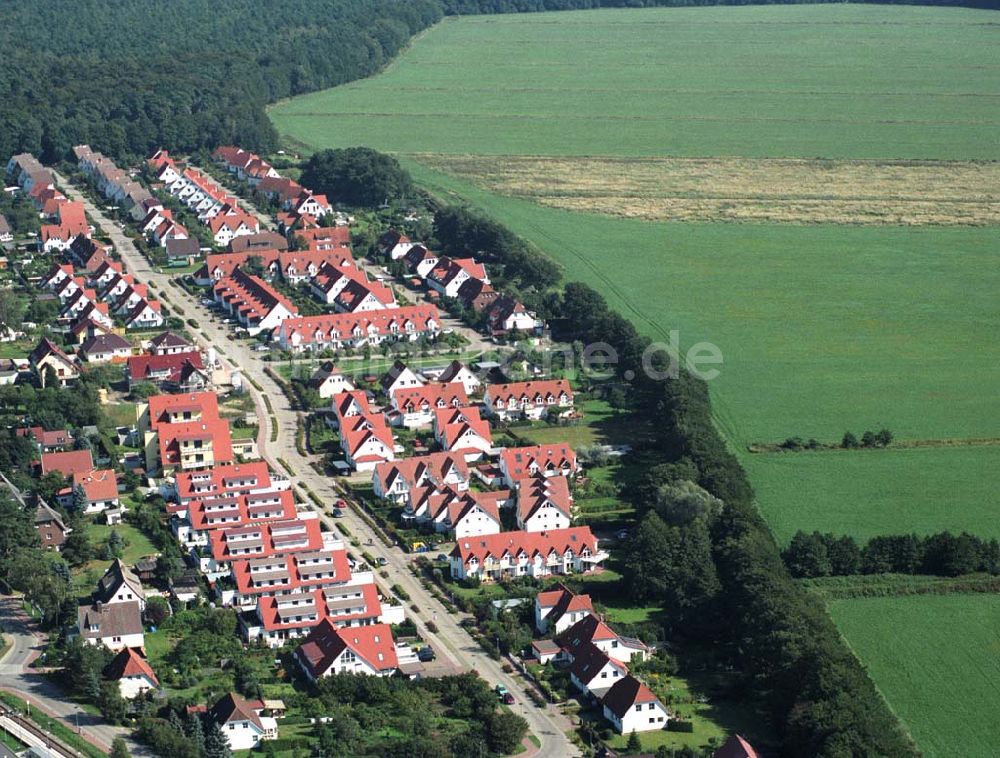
<point x="357" y="176"/>
<point x="131" y="75"/>
<point x="466" y="7"/>
<point x="464" y="233"/>
<point x="943" y="554"/>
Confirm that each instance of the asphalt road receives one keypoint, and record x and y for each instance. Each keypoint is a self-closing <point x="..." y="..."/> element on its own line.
<point x="16" y="676"/>
<point x="456" y="649"/>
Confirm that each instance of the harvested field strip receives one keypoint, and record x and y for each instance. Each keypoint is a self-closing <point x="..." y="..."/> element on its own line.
<point x="744" y="189"/>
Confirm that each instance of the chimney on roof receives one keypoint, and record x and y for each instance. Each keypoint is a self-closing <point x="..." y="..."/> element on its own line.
<point x="99" y="606"/>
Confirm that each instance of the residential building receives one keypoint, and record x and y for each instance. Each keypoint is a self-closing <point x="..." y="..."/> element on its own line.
<point x="508" y="555"/>
<point x="449" y="274"/>
<point x="399" y="377"/>
<point x="414" y="407"/>
<point x="330" y="650"/>
<point x="395" y="480"/>
<point x="519" y="463"/>
<point x="106" y="348"/>
<point x="534" y="399"/>
<point x="590" y="630"/>
<point x="114" y="625"/>
<point x="328" y="380"/>
<point x="253" y="302"/>
<point x="51" y="529"/>
<point x="631" y="706"/>
<point x="242" y="723"/>
<point x="132" y="672"/>
<point x="594" y="672"/>
<point x="458" y="372"/>
<point x="169" y="343"/>
<point x="67" y="462"/>
<point x="47" y="355"/>
<point x="544" y="503"/>
<point x="463" y="431"/>
<point x="558" y="609"/>
<point x="99" y="488"/>
<point x="339" y="330"/>
<point x="366" y="441"/>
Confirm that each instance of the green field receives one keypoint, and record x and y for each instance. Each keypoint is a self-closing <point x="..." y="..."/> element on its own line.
<point x="937" y="661"/>
<point x="855" y="81"/>
<point x="824" y="327"/>
<point x="868" y="493"/>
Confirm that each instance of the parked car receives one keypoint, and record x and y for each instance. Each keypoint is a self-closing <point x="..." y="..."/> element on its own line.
<point x="425" y="654"/>
<point x="382" y="561"/>
<point x="337" y="513"/>
<point x="508" y="699"/>
<point x="501" y="691"/>
<point x="442" y="558"/>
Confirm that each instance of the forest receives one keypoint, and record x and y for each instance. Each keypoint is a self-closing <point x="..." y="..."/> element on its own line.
<point x="127" y="76"/>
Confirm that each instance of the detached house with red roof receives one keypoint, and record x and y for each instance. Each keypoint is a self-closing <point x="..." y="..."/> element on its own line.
<point x="329" y="649"/>
<point x="508" y="555"/>
<point x="242" y="723"/>
<point x="415" y="407"/>
<point x="68" y="462"/>
<point x="467" y="514"/>
<point x="366" y="441"/>
<point x="393" y="244"/>
<point x="254" y="303"/>
<point x="463" y="431"/>
<point x="395" y="480"/>
<point x="544" y="503"/>
<point x="132" y="672"/>
<point x="449" y="274"/>
<point x="519" y="463"/>
<point x="631" y="706"/>
<point x="99" y="488"/>
<point x="534" y="400"/>
<point x="558" y="609"/>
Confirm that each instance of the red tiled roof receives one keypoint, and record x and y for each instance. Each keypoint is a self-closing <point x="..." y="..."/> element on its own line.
<point x="68" y="463"/>
<point x="326" y="642"/>
<point x="162" y="367"/>
<point x="356" y="430"/>
<point x="452" y="423"/>
<point x="214" y="429"/>
<point x="206" y="513"/>
<point x="537" y="392"/>
<point x="325" y="602"/>
<point x="522" y="462"/>
<point x="433" y="467"/>
<point x="206" y="403"/>
<point x="735" y="747"/>
<point x="538" y="491"/>
<point x="231" y="478"/>
<point x="252" y="295"/>
<point x="530" y="543"/>
<point x="130" y="662"/>
<point x="430" y="397"/>
<point x="97" y="484"/>
<point x="270" y="538"/>
<point x="293" y="570"/>
<point x="331" y="325"/>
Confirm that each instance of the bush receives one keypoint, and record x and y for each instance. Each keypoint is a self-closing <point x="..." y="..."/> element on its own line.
<point x="676" y="725"/>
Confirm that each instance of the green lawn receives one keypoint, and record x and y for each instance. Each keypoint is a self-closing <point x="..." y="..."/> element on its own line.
<point x="601" y="425"/>
<point x="871" y="492"/>
<point x="855" y="81"/>
<point x="937" y="661"/>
